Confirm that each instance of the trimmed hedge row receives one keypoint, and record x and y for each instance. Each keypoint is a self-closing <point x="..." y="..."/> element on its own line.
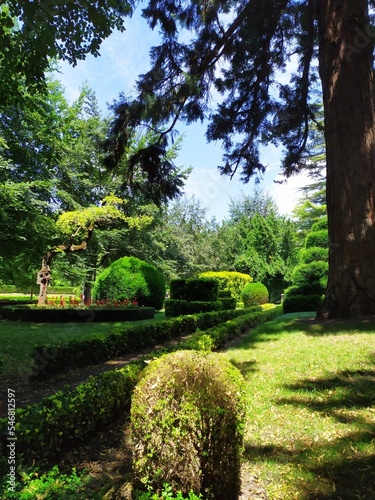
<point x="58" y="358"/>
<point x="194" y="289"/>
<point x="302" y="303"/>
<point x="215" y="338"/>
<point x="180" y="307"/>
<point x="58" y="421"/>
<point x="41" y="315"/>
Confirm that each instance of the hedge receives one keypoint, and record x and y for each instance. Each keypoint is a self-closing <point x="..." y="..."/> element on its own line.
<point x="74" y="354"/>
<point x="228" y="302"/>
<point x="301" y="303"/>
<point x="195" y="289"/>
<point x="45" y="315"/>
<point x="61" y="420"/>
<point x="229" y="280"/>
<point x="177" y="307"/>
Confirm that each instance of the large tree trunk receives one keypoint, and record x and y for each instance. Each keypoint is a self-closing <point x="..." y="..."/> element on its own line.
<point x="345" y="61"/>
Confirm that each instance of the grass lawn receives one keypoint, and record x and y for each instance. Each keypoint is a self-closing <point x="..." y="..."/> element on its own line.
<point x="310" y="431"/>
<point x="18" y="338"/>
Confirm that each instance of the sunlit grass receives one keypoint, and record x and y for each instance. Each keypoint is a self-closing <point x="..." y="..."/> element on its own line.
<point x="311" y="423"/>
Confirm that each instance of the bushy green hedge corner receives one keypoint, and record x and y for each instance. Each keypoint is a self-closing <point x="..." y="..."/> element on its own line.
<point x="195" y="289"/>
<point x="130" y="278"/>
<point x="254" y="294"/>
<point x="301" y="303"/>
<point x="195" y="407"/>
<point x="229" y="280"/>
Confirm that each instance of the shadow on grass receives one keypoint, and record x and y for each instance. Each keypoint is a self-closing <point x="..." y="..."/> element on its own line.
<point x="314" y="327"/>
<point x="245" y="367"/>
<point x="307" y="323"/>
<point x="347" y="476"/>
<point x="347" y="389"/>
<point x="342" y="468"/>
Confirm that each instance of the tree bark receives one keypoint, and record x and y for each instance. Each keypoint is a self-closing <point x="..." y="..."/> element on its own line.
<point x="345" y="64"/>
<point x="44" y="275"/>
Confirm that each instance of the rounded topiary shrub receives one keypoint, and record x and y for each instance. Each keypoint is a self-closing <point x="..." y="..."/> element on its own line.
<point x="315" y="272"/>
<point x="187" y="419"/>
<point x="130" y="278"/>
<point x="317" y="239"/>
<point x="254" y="294"/>
<point x="313" y="254"/>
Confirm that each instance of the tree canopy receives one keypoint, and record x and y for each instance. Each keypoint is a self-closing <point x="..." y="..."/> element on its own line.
<point x="242" y="50"/>
<point x="33" y="33"/>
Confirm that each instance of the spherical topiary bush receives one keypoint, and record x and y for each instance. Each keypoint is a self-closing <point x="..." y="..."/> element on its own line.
<point x="187" y="419"/>
<point x="130" y="278"/>
<point x="254" y="294"/>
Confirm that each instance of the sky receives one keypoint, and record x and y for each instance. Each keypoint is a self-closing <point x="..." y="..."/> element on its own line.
<point x="126" y="55"/>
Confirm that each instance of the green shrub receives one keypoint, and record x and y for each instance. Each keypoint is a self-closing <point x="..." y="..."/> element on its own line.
<point x="130" y="278"/>
<point x="195" y="411"/>
<point x="227" y="303"/>
<point x="52" y="484"/>
<point x="176" y="307"/>
<point x="320" y="224"/>
<point x="58" y="421"/>
<point x="216" y="337"/>
<point x="301" y="303"/>
<point x="45" y="315"/>
<point x="314" y="273"/>
<point x="317" y="239"/>
<point x="48" y="360"/>
<point x="224" y="294"/>
<point x="254" y="294"/>
<point x="7" y="288"/>
<point x="231" y="280"/>
<point x="63" y="419"/>
<point x="195" y="289"/>
<point x="312" y="254"/>
<point x="307" y="289"/>
<point x="177" y="289"/>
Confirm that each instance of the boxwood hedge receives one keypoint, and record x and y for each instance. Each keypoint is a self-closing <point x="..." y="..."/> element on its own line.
<point x="67" y="417"/>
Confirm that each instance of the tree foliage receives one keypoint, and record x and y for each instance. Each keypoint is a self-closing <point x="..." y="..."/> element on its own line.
<point x="33" y="33"/>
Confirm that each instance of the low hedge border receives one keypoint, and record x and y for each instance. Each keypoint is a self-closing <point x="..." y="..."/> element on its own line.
<point x="215" y="338"/>
<point x="58" y="421"/>
<point x="58" y="358"/>
<point x="76" y="315"/>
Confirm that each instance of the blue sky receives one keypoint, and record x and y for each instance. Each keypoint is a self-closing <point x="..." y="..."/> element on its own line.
<point x="126" y="55"/>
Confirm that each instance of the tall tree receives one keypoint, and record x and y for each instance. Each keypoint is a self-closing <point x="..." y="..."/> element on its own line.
<point x="330" y="40"/>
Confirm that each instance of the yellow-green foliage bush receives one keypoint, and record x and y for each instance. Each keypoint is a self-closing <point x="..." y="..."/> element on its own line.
<point x="187" y="419"/>
<point x="229" y="280"/>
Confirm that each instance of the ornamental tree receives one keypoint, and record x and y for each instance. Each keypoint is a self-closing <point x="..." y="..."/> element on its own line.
<point x="241" y="50"/>
<point x="77" y="226"/>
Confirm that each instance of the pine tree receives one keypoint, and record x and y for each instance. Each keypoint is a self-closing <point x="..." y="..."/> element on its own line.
<point x="240" y="49"/>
